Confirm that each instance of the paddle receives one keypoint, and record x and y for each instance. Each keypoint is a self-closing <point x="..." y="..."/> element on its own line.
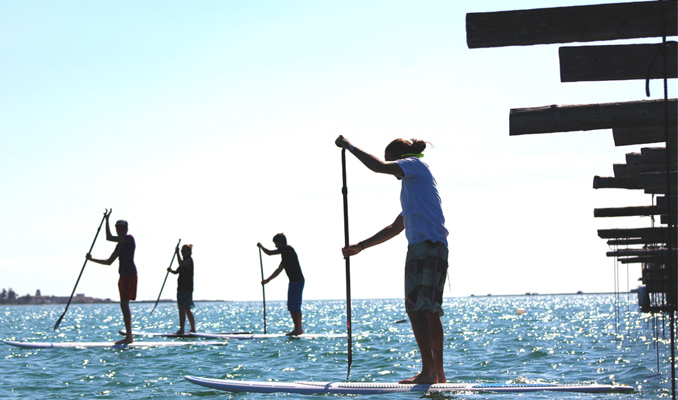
<point x="106" y="214"/>
<point x="263" y="291"/>
<point x="174" y="254"/>
<point x="344" y="191"/>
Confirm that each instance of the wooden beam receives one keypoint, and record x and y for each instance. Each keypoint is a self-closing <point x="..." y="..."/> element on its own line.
<point x="618" y="62"/>
<point x="639" y="163"/>
<point x="625" y="136"/>
<point x="657" y="180"/>
<point x="587" y="117"/>
<point x="572" y="24"/>
<point x="637" y="252"/>
<point x="630" y="211"/>
<point x="620" y="171"/>
<point x="656" y="155"/>
<point x="626" y="242"/>
<point x="644" y="260"/>
<point x="649" y="160"/>
<point x="609" y="182"/>
<point x="651" y="235"/>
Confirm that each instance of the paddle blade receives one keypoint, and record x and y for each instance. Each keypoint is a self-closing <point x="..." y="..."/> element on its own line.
<point x="56" y="326"/>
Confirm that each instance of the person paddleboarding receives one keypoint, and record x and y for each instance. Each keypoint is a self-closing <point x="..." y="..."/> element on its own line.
<point x="127" y="283"/>
<point x="290" y="263"/>
<point x="426" y="263"/>
<point x="184" y="286"/>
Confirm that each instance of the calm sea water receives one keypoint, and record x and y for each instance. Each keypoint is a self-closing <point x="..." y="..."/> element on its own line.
<point x="559" y="339"/>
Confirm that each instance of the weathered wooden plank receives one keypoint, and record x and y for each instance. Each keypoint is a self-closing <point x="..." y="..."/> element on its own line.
<point x="652" y="183"/>
<point x="637" y="252"/>
<point x="644" y="260"/>
<point x="625" y="136"/>
<point x="651" y="235"/>
<point x="656" y="155"/>
<point x="620" y="171"/>
<point x="630" y="211"/>
<point x="657" y="180"/>
<point x="572" y="24"/>
<point x="626" y="242"/>
<point x="610" y="182"/>
<point x="618" y="62"/>
<point x="549" y="119"/>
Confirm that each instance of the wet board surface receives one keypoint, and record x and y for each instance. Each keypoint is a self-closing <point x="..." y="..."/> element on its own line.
<point x="252" y="336"/>
<point x="112" y="345"/>
<point x="377" y="388"/>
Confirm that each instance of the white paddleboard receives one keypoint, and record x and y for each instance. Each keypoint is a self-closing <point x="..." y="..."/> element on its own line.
<point x="377" y="388"/>
<point x="156" y="334"/>
<point x="250" y="336"/>
<point x="112" y="345"/>
<point x="174" y="335"/>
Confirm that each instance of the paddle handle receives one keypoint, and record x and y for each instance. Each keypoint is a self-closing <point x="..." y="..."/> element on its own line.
<point x="263" y="290"/>
<point x="174" y="254"/>
<point x="344" y="191"/>
<point x="106" y="213"/>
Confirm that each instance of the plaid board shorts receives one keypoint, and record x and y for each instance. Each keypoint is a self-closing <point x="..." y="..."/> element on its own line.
<point x="425" y="273"/>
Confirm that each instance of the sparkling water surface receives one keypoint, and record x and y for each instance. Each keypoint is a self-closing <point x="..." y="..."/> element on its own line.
<point x="559" y="339"/>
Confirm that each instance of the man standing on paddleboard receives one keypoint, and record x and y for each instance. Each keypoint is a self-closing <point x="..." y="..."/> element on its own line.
<point x="127" y="284"/>
<point x="290" y="263"/>
<point x="184" y="287"/>
<point x="426" y="263"/>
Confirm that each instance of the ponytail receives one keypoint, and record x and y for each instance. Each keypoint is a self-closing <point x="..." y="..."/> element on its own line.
<point x="402" y="148"/>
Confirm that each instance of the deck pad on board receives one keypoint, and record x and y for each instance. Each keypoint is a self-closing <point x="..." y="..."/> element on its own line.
<point x="376" y="388"/>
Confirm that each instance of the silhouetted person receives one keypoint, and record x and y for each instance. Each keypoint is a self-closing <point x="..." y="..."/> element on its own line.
<point x="184" y="287"/>
<point x="127" y="284"/>
<point x="290" y="263"/>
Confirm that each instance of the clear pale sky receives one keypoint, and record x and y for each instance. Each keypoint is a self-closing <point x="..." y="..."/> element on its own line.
<point x="214" y="122"/>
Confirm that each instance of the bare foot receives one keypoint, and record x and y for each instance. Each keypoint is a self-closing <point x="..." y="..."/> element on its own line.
<point x="192" y="330"/>
<point x="126" y="340"/>
<point x="419" y="378"/>
<point x="179" y="332"/>
<point x="294" y="333"/>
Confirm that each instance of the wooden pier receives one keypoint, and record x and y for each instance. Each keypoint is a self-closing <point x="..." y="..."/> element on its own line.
<point x="642" y="122"/>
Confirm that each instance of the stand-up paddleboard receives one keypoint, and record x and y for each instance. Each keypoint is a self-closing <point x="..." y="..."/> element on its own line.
<point x="250" y="336"/>
<point x="378" y="388"/>
<point x="174" y="335"/>
<point x="155" y="334"/>
<point x="111" y="345"/>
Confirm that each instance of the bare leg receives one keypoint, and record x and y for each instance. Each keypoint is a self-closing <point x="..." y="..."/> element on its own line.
<point x="428" y="331"/>
<point x="191" y="319"/>
<point x="296" y="318"/>
<point x="182" y="321"/>
<point x="436" y="327"/>
<point x="127" y="318"/>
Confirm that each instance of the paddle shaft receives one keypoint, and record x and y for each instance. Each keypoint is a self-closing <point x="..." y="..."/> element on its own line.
<point x="344" y="191"/>
<point x="263" y="290"/>
<point x="56" y="326"/>
<point x="174" y="254"/>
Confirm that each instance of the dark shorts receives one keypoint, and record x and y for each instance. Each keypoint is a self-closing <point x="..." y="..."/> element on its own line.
<point x="425" y="273"/>
<point x="294" y="291"/>
<point x="185" y="298"/>
<point x="127" y="286"/>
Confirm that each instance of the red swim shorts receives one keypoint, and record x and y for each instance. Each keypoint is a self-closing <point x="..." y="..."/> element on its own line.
<point x="127" y="286"/>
